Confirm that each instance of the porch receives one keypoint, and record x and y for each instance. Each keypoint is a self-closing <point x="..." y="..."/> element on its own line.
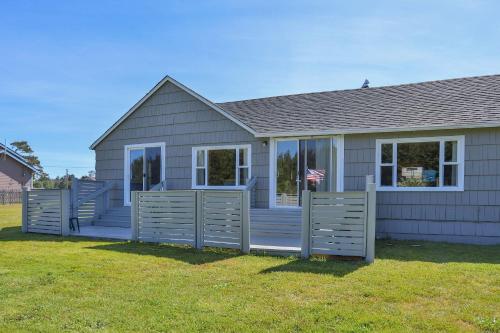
<point x="270" y="229"/>
<point x="329" y="222"/>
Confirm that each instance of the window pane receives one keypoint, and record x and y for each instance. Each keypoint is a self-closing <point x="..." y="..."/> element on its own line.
<point x="450" y="151"/>
<point x="200" y="176"/>
<point x="200" y="158"/>
<point x="243" y="157"/>
<point x="243" y="176"/>
<point x="450" y="175"/>
<point x="386" y="176"/>
<point x="387" y="153"/>
<point x="153" y="167"/>
<point x="222" y="167"/>
<point x="418" y="164"/>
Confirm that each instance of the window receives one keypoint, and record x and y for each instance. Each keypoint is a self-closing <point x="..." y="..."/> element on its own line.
<point x="221" y="166"/>
<point x="420" y="164"/>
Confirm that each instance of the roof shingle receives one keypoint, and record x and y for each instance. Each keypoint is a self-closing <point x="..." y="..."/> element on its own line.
<point x="460" y="102"/>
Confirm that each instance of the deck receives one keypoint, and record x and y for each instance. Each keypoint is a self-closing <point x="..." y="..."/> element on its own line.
<point x="270" y="229"/>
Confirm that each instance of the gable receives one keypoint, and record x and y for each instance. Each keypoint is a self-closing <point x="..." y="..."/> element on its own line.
<point x="169" y="87"/>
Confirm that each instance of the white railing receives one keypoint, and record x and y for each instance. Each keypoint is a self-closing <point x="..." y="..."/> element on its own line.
<point x="89" y="199"/>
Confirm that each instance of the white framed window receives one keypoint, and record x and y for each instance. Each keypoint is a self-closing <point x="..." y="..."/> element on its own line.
<point x="420" y="164"/>
<point x="221" y="167"/>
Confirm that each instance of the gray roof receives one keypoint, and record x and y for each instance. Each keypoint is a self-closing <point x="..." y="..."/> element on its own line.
<point x="16" y="156"/>
<point x="454" y="103"/>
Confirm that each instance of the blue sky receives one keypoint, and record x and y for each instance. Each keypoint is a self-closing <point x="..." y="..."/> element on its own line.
<point x="69" y="69"/>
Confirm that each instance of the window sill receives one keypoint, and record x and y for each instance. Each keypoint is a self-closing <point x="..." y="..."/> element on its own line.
<point x="419" y="189"/>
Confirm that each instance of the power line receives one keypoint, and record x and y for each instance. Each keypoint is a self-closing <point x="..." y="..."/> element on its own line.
<point x="65" y="166"/>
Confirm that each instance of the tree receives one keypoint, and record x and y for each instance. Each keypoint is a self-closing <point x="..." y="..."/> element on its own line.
<point x="25" y="150"/>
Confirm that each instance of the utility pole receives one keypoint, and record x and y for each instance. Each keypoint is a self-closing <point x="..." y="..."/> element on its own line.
<point x="67" y="179"/>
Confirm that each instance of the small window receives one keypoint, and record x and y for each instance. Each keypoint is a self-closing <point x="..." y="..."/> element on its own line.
<point x="420" y="164"/>
<point x="215" y="167"/>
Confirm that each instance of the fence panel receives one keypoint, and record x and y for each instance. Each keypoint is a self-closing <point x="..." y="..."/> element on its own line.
<point x="338" y="223"/>
<point x="46" y="211"/>
<point x="223" y="217"/>
<point x="166" y="217"/>
<point x="10" y="197"/>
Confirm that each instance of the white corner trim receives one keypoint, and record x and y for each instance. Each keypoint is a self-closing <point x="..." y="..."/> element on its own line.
<point x="441" y="139"/>
<point x="180" y="86"/>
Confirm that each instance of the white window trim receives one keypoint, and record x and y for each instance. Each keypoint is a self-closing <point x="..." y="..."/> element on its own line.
<point x="126" y="166"/>
<point x="441" y="139"/>
<point x="237" y="167"/>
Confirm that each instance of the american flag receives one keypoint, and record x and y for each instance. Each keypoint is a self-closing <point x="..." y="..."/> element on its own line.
<point x="315" y="175"/>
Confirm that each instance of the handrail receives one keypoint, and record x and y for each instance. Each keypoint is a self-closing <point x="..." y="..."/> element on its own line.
<point x="95" y="194"/>
<point x="251" y="184"/>
<point x="161" y="186"/>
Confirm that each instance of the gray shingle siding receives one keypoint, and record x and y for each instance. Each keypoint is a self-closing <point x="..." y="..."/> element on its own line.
<point x="469" y="216"/>
<point x="182" y="122"/>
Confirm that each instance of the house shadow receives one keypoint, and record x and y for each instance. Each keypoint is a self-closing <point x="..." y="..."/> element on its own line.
<point x="176" y="252"/>
<point x="321" y="265"/>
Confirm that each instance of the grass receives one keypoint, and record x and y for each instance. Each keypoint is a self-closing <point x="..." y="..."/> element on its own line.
<point x="49" y="283"/>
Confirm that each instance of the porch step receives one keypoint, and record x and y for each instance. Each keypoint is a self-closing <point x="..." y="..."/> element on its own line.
<point x="115" y="217"/>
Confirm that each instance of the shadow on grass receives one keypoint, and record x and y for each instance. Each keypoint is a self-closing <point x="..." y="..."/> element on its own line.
<point x="437" y="252"/>
<point x="318" y="266"/>
<point x="385" y="249"/>
<point x="177" y="252"/>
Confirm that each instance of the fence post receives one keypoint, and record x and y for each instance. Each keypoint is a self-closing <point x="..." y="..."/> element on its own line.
<point x="245" y="222"/>
<point x="306" y="224"/>
<point x="65" y="212"/>
<point x="24" y="224"/>
<point x="371" y="219"/>
<point x="134" y="211"/>
<point x="74" y="197"/>
<point x="199" y="220"/>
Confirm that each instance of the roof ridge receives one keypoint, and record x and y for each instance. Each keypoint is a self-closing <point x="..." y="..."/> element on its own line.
<point x="363" y="89"/>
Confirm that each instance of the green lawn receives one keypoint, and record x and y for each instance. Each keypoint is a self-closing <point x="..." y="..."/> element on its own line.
<point x="50" y="283"/>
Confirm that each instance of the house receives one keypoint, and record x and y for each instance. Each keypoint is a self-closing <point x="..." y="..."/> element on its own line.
<point x="434" y="148"/>
<point x="15" y="171"/>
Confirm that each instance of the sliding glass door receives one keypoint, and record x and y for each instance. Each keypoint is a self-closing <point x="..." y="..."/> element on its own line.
<point x="143" y="168"/>
<point x="287" y="177"/>
<point x="303" y="165"/>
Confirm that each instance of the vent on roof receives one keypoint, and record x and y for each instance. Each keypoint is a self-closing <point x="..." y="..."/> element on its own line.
<point x="366" y="84"/>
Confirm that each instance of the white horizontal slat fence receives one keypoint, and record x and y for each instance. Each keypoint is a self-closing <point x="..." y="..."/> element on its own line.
<point x="197" y="218"/>
<point x="46" y="211"/>
<point x="339" y="223"/>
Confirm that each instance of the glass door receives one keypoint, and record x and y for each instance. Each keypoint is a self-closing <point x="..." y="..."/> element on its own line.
<point x="152" y="167"/>
<point x="303" y="165"/>
<point x="145" y="168"/>
<point x="136" y="169"/>
<point x="287" y="158"/>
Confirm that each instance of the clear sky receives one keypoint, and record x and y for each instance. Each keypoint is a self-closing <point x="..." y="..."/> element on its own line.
<point x="69" y="69"/>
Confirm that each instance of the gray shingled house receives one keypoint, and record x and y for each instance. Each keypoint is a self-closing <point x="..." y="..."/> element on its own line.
<point x="434" y="148"/>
